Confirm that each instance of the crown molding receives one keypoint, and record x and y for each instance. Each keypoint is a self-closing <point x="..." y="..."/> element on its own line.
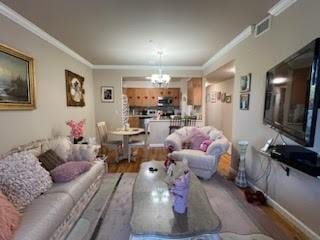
<point x="146" y="67"/>
<point x="238" y="39"/>
<point x="25" y="23"/>
<point x="281" y="6"/>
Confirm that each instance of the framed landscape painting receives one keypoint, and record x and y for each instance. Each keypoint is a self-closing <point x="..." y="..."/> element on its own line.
<point x="17" y="84"/>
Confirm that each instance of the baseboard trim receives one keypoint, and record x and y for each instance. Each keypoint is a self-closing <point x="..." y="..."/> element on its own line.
<point x="156" y="145"/>
<point x="289" y="216"/>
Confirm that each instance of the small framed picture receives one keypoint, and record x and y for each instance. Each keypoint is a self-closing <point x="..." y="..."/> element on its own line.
<point x="244" y="101"/>
<point x="228" y="99"/>
<point x="245" y="83"/>
<point x="219" y="96"/>
<point x="223" y="97"/>
<point x="107" y="94"/>
<point x="213" y="97"/>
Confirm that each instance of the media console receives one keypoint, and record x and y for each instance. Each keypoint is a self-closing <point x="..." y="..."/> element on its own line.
<point x="296" y="157"/>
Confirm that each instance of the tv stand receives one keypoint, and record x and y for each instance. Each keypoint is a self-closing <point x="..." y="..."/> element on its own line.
<point x="294" y="156"/>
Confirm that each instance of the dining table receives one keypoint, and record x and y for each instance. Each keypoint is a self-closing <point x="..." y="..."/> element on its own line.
<point x="126" y="134"/>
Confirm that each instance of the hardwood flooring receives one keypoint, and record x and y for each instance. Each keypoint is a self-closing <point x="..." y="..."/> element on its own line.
<point x="266" y="218"/>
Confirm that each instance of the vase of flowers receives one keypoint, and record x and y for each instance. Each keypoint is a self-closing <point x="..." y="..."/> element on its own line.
<point x="76" y="130"/>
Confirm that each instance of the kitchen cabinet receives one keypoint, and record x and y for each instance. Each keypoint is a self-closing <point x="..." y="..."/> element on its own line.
<point x="133" y="122"/>
<point x="148" y="97"/>
<point x="195" y="92"/>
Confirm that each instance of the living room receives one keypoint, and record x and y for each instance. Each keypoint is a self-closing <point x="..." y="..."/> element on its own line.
<point x="47" y="33"/>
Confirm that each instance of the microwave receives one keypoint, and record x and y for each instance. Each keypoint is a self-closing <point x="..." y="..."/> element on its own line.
<point x="164" y="101"/>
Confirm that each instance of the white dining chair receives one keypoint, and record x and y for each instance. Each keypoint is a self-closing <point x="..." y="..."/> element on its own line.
<point x="103" y="137"/>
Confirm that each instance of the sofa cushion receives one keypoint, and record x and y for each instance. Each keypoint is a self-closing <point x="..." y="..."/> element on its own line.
<point x="9" y="218"/>
<point x="22" y="178"/>
<point x="195" y="158"/>
<point x="197" y="137"/>
<point x="43" y="216"/>
<point x="83" y="152"/>
<point x="78" y="186"/>
<point x="69" y="171"/>
<point x="60" y="145"/>
<point x="50" y="160"/>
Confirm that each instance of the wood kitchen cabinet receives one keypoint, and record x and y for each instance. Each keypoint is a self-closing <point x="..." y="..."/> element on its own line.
<point x="148" y="97"/>
<point x="195" y="92"/>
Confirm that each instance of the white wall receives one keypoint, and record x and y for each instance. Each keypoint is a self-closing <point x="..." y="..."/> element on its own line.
<point x="19" y="127"/>
<point x="290" y="31"/>
<point x="219" y="114"/>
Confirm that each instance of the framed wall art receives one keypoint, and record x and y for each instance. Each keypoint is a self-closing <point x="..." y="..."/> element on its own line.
<point x="244" y="101"/>
<point x="74" y="89"/>
<point x="245" y="83"/>
<point x="213" y="97"/>
<point x="17" y="83"/>
<point x="228" y="99"/>
<point x="107" y="94"/>
<point x="223" y="97"/>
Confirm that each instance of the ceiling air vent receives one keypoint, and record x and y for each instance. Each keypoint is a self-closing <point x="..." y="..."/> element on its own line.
<point x="262" y="26"/>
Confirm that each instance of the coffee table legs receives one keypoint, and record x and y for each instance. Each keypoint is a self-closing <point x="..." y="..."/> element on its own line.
<point x="202" y="237"/>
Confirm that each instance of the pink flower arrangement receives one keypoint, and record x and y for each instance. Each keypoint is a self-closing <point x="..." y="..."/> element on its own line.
<point x="77" y="128"/>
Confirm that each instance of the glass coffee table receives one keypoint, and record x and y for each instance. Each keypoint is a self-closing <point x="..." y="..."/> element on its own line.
<point x="153" y="217"/>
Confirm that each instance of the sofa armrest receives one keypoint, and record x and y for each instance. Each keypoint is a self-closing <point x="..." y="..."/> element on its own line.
<point x="218" y="147"/>
<point x="83" y="152"/>
<point x="173" y="141"/>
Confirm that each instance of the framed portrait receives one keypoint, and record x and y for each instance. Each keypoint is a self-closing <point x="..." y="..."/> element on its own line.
<point x="228" y="99"/>
<point x="74" y="89"/>
<point x="17" y="83"/>
<point x="107" y="94"/>
<point x="219" y="95"/>
<point x="244" y="101"/>
<point x="245" y="83"/>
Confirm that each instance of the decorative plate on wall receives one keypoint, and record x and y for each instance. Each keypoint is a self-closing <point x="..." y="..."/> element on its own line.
<point x="75" y="90"/>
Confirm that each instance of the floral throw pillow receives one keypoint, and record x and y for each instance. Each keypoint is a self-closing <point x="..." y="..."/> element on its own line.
<point x="22" y="178"/>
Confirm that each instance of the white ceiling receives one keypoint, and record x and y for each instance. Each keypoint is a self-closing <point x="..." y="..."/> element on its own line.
<point x="118" y="32"/>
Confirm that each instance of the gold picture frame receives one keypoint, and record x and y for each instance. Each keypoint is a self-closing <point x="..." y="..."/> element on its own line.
<point x="17" y="81"/>
<point x="74" y="89"/>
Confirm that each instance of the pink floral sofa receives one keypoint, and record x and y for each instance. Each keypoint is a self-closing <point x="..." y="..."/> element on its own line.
<point x="203" y="163"/>
<point x="53" y="214"/>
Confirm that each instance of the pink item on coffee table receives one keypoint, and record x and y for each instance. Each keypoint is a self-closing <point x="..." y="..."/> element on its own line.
<point x="204" y="145"/>
<point x="69" y="171"/>
<point x="197" y="137"/>
<point x="180" y="191"/>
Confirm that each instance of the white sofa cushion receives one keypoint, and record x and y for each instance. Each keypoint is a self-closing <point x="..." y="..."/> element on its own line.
<point x="79" y="185"/>
<point x="43" y="216"/>
<point x="83" y="152"/>
<point x="60" y="145"/>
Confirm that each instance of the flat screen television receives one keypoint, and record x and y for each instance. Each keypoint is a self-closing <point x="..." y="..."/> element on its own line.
<point x="293" y="95"/>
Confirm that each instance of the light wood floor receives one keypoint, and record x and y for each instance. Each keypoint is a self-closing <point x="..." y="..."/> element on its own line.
<point x="265" y="217"/>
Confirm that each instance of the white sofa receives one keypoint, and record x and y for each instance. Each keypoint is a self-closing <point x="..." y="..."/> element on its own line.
<point x="53" y="214"/>
<point x="203" y="164"/>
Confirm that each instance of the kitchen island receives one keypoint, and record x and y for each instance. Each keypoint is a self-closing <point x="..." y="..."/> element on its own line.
<point x="159" y="130"/>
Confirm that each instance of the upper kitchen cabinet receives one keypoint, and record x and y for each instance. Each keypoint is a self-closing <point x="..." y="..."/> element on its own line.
<point x="195" y="92"/>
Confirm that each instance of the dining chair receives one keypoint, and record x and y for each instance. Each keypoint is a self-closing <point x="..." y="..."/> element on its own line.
<point x="140" y="143"/>
<point x="103" y="137"/>
<point x="175" y="123"/>
<point x="190" y="121"/>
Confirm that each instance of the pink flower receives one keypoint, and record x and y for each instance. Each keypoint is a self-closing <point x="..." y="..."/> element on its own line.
<point x="77" y="129"/>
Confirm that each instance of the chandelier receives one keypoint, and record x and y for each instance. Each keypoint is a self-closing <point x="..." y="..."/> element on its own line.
<point x="160" y="80"/>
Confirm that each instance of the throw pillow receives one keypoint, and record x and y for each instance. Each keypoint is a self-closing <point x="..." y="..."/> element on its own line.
<point x="69" y="170"/>
<point x="197" y="137"/>
<point x="22" y="178"/>
<point x="50" y="160"/>
<point x="83" y="152"/>
<point x="61" y="146"/>
<point x="9" y="218"/>
<point x="215" y="134"/>
<point x="204" y="145"/>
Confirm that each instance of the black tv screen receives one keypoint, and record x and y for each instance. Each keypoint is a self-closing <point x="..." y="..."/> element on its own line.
<point x="292" y="95"/>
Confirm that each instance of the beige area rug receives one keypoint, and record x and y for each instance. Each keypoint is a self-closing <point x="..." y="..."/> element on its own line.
<point x="236" y="225"/>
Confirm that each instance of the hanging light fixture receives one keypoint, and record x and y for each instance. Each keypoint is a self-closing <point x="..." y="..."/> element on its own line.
<point x="160" y="80"/>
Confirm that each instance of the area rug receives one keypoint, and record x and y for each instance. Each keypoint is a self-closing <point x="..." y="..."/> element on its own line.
<point x="236" y="225"/>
